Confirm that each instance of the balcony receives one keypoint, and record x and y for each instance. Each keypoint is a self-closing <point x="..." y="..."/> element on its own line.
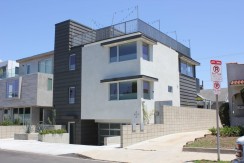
<point x="129" y="27"/>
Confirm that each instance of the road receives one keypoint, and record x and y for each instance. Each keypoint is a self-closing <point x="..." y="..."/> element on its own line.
<point x="7" y="156"/>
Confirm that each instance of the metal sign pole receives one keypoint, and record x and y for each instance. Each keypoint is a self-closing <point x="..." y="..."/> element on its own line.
<point x="217" y="119"/>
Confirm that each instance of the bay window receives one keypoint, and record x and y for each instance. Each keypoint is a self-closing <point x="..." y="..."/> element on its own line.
<point x="123" y="90"/>
<point x="123" y="52"/>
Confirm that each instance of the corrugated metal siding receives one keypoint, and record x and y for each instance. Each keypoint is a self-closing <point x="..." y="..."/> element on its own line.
<point x="188" y="91"/>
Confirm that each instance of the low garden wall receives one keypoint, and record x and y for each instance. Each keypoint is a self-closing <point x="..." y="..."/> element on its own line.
<point x="172" y="120"/>
<point x="9" y="131"/>
<point x="54" y="138"/>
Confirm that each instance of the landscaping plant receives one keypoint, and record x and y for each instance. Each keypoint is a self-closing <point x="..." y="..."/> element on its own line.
<point x="224" y="114"/>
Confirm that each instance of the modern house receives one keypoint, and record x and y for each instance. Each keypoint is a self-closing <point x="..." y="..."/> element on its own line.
<point x="235" y="77"/>
<point x="28" y="97"/>
<point x="8" y="69"/>
<point x="207" y="99"/>
<point x="111" y="76"/>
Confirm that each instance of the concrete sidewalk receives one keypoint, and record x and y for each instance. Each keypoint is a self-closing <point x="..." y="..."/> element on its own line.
<point x="166" y="149"/>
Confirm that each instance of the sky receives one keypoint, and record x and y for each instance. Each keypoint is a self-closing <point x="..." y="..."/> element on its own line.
<point x="215" y="28"/>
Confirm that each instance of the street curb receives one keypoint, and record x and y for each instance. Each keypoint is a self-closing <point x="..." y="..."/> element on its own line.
<point x="208" y="150"/>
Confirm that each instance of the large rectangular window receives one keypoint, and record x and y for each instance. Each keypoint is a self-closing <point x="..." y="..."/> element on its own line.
<point x="186" y="69"/>
<point x="12" y="89"/>
<point x="71" y="95"/>
<point x="145" y="52"/>
<point x="72" y="62"/>
<point x="146" y="90"/>
<point x="123" y="52"/>
<point x="123" y="90"/>
<point x="45" y="66"/>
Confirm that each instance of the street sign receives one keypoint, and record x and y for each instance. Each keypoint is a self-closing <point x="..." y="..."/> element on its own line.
<point x="216" y="87"/>
<point x="216" y="70"/>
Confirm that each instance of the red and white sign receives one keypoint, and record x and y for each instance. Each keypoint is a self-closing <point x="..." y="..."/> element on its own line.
<point x="216" y="87"/>
<point x="216" y="70"/>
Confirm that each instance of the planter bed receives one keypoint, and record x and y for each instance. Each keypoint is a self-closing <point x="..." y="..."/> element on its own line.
<point x="24" y="136"/>
<point x="54" y="138"/>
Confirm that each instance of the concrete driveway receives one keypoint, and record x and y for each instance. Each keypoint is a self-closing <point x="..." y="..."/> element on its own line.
<point x="166" y="149"/>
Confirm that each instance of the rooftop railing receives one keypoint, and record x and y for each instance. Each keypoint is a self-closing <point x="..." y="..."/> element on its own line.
<point x="128" y="27"/>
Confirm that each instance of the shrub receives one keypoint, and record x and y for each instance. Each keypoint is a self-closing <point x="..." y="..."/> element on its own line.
<point x="6" y="123"/>
<point x="213" y="131"/>
<point x="224" y="114"/>
<point x="228" y="131"/>
<point x="59" y="131"/>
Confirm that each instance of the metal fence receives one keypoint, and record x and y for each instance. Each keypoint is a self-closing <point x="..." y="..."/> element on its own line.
<point x="128" y="27"/>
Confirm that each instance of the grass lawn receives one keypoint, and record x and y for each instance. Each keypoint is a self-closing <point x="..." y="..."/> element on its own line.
<point x="208" y="161"/>
<point x="209" y="141"/>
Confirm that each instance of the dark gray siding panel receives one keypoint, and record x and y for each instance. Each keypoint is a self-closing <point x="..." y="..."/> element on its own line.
<point x="188" y="91"/>
<point x="64" y="78"/>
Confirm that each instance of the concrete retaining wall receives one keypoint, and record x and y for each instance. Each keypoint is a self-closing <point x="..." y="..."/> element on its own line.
<point x="54" y="138"/>
<point x="172" y="120"/>
<point x="8" y="131"/>
<point x="23" y="136"/>
<point x="112" y="140"/>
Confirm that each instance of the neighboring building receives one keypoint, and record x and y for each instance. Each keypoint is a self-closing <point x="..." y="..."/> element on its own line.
<point x="8" y="69"/>
<point x="106" y="77"/>
<point x="235" y="78"/>
<point x="207" y="99"/>
<point x="29" y="96"/>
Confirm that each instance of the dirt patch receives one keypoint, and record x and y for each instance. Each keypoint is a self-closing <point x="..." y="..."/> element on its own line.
<point x="209" y="141"/>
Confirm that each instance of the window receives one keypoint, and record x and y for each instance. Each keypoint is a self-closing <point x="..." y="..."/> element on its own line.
<point x="186" y="69"/>
<point x="123" y="90"/>
<point x="49" y="84"/>
<point x="113" y="91"/>
<point x="123" y="52"/>
<point x="170" y="89"/>
<point x="45" y="66"/>
<point x="72" y="62"/>
<point x="145" y="52"/>
<point x="28" y="69"/>
<point x="12" y="89"/>
<point x="146" y="90"/>
<point x="71" y="95"/>
<point x="127" y="90"/>
<point x="113" y="54"/>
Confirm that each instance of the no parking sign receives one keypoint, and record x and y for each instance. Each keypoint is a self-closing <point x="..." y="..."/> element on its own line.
<point x="216" y="75"/>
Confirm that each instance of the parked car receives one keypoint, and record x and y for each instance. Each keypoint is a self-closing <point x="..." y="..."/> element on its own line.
<point x="239" y="150"/>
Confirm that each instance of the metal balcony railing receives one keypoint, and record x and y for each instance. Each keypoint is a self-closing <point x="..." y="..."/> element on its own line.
<point x="128" y="27"/>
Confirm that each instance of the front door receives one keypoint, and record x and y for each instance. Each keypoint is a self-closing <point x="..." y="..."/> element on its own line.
<point x="71" y="130"/>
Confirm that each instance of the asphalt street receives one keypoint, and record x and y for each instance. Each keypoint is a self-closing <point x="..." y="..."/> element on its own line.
<point x="7" y="156"/>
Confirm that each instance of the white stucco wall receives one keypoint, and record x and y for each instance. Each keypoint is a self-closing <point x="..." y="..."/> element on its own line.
<point x="10" y="67"/>
<point x="95" y="102"/>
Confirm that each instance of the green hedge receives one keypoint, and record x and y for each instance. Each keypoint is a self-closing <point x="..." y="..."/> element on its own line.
<point x="59" y="131"/>
<point x="228" y="131"/>
<point x="224" y="114"/>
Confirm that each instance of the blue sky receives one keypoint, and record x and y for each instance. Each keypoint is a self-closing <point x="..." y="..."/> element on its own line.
<point x="215" y="27"/>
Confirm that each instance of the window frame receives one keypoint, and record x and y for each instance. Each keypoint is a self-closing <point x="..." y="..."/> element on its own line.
<point x="49" y="87"/>
<point x="118" y="52"/>
<point x="170" y="89"/>
<point x="72" y="67"/>
<point x="148" y="55"/>
<point x="118" y="90"/>
<point x="149" y="90"/>
<point x="70" y="99"/>
<point x="28" y="69"/>
<point x="15" y="89"/>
